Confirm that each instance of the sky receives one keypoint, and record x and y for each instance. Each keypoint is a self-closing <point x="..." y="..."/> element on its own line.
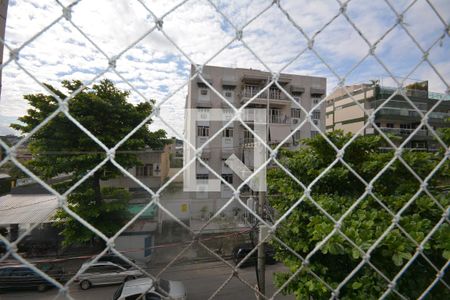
<point x="156" y="68"/>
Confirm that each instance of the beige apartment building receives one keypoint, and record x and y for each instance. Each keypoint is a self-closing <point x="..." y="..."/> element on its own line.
<point x="239" y="86"/>
<point x="396" y="117"/>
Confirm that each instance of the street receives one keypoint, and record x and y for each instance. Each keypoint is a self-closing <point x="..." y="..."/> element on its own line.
<point x="200" y="279"/>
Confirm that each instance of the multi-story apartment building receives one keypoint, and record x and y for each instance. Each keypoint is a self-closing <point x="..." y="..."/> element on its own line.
<point x="396" y="117"/>
<point x="239" y="86"/>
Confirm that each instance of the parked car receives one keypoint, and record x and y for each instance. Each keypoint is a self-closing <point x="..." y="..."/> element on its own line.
<point x="165" y="289"/>
<point x="241" y="251"/>
<point x="116" y="260"/>
<point x="22" y="277"/>
<point x="104" y="273"/>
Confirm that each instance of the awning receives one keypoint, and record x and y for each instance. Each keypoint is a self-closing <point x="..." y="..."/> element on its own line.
<point x="278" y="133"/>
<point x="284" y="79"/>
<point x="207" y="78"/>
<point x="229" y="82"/>
<point x="255" y="78"/>
<point x="4" y="176"/>
<point x="27" y="209"/>
<point x="149" y="213"/>
<point x="315" y="91"/>
<point x="297" y="89"/>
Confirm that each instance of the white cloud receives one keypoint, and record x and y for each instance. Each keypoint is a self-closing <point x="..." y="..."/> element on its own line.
<point x="156" y="68"/>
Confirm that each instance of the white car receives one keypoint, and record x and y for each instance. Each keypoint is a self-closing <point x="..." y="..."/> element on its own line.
<point x="166" y="289"/>
<point x="102" y="273"/>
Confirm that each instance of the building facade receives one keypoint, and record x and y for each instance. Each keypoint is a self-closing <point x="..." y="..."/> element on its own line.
<point x="152" y="171"/>
<point x="240" y="86"/>
<point x="397" y="116"/>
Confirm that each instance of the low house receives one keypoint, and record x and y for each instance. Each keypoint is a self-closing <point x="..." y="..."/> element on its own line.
<point x="138" y="240"/>
<point x="152" y="171"/>
<point x="21" y="212"/>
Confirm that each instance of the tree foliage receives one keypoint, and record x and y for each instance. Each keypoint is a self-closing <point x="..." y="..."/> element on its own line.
<point x="60" y="148"/>
<point x="336" y="192"/>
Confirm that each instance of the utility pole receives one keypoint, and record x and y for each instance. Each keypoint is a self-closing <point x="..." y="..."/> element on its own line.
<point x="3" y="14"/>
<point x="261" y="249"/>
<point x="261" y="262"/>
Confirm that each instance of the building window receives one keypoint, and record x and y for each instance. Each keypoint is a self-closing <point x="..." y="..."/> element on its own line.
<point x="228" y="94"/>
<point x="144" y="171"/>
<point x="275" y="115"/>
<point x="314" y="133"/>
<point x="413" y="113"/>
<point x="390" y="125"/>
<point x="203" y="92"/>
<point x="224" y="164"/>
<point x="295" y="113"/>
<point x="247" y="134"/>
<point x="316" y="101"/>
<point x="202" y="130"/>
<point x="202" y="176"/>
<point x="316" y="114"/>
<point x="297" y="135"/>
<point x="228" y="178"/>
<point x="296" y="98"/>
<point x="227" y="132"/>
<point x="316" y="122"/>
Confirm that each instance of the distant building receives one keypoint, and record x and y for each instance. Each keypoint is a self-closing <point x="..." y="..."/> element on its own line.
<point x="152" y="171"/>
<point x="396" y="117"/>
<point x="5" y="184"/>
<point x="22" y="152"/>
<point x="238" y="86"/>
<point x="19" y="212"/>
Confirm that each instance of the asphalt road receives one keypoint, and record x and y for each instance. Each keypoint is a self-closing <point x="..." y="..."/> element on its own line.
<point x="200" y="279"/>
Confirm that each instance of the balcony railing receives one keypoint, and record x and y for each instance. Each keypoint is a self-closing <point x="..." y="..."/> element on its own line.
<point x="397" y="104"/>
<point x="247" y="140"/>
<point x="398" y="112"/>
<point x="439" y="115"/>
<point x="278" y="119"/>
<point x="409" y="92"/>
<point x="249" y="116"/>
<point x="404" y="131"/>
<point x="249" y="92"/>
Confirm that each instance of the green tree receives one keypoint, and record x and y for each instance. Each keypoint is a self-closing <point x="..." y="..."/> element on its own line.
<point x="61" y="148"/>
<point x="336" y="192"/>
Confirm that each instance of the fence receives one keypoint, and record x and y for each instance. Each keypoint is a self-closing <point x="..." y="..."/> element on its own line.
<point x="304" y="274"/>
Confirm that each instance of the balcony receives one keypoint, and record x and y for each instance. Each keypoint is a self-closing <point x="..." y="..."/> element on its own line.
<point x="440" y="116"/>
<point x="250" y="92"/>
<point x="404" y="131"/>
<point x="274" y="95"/>
<point x="398" y="104"/>
<point x="409" y="92"/>
<point x="278" y="119"/>
<point x="249" y="117"/>
<point x="398" y="112"/>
